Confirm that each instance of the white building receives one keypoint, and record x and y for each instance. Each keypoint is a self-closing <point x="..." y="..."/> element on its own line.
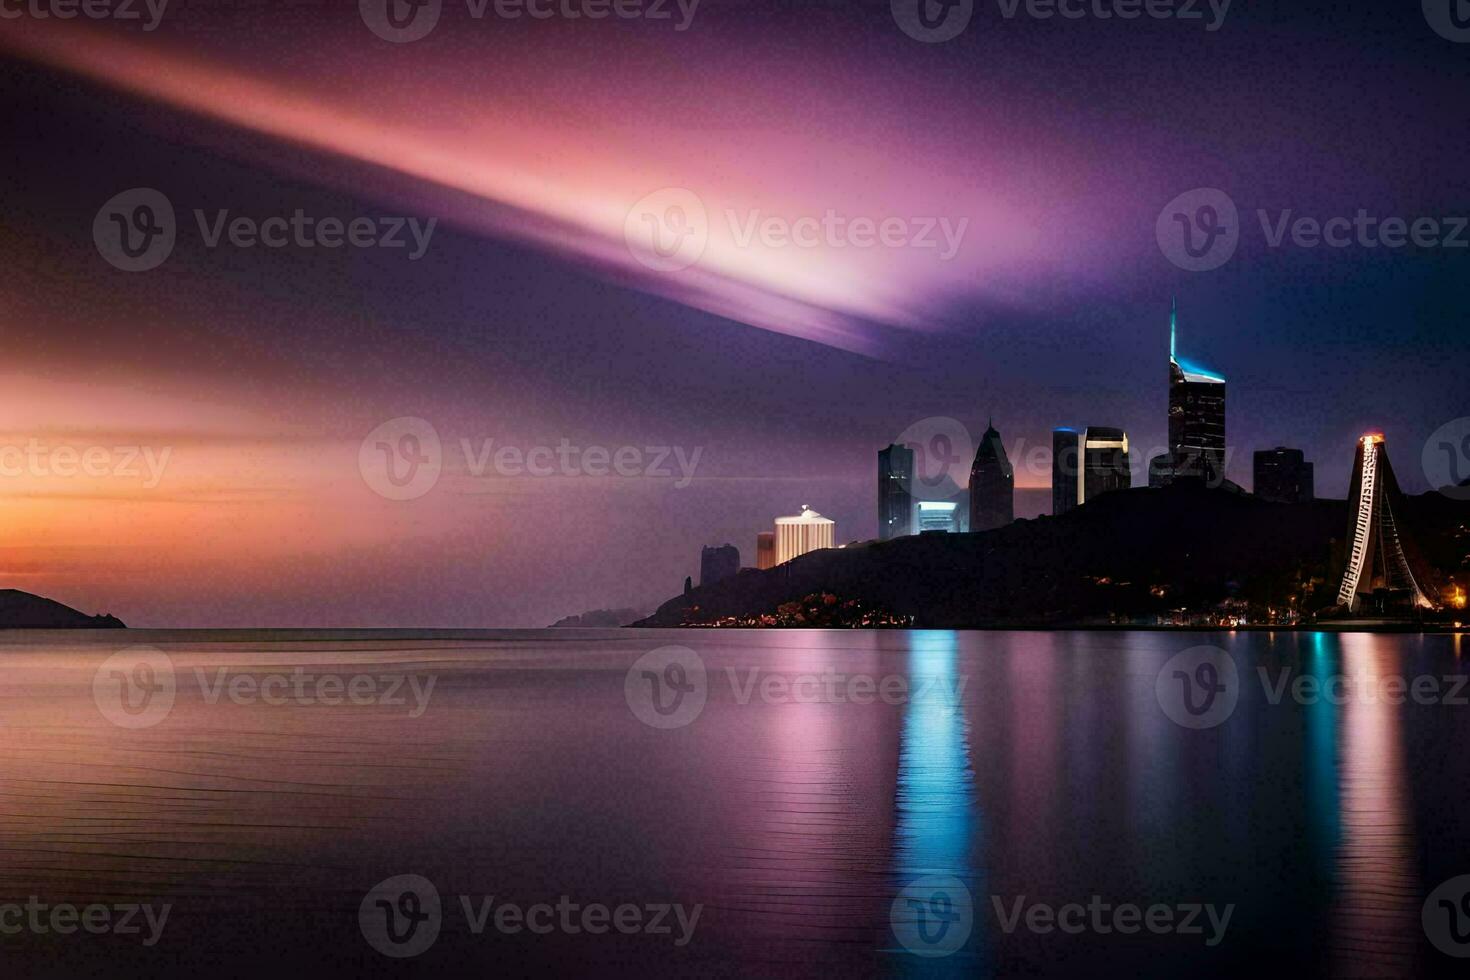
<point x="938" y="515"/>
<point x="805" y="532"/>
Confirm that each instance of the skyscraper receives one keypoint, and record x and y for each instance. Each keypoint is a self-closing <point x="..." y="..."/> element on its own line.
<point x="716" y="563"/>
<point x="1066" y="464"/>
<point x="1378" y="560"/>
<point x="895" y="501"/>
<point x="1105" y="464"/>
<point x="992" y="484"/>
<point x="1283" y="475"/>
<point x="1196" y="421"/>
<point x="1086" y="464"/>
<point x="805" y="532"/>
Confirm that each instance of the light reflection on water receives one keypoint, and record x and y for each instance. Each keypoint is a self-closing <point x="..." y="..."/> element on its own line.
<point x="1377" y="916"/>
<point x="937" y="823"/>
<point x="1055" y="776"/>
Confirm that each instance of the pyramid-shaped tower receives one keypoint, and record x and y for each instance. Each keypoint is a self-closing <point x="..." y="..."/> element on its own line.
<point x="1379" y="553"/>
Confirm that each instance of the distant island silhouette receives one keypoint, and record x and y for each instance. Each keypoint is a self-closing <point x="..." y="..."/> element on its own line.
<point x="24" y="611"/>
<point x="601" y="618"/>
<point x="1124" y="558"/>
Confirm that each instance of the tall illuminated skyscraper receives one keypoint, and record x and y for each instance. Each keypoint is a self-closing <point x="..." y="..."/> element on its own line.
<point x="992" y="484"/>
<point x="1196" y="420"/>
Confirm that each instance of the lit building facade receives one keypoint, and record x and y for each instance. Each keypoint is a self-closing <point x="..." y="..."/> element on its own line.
<point x="1196" y="421"/>
<point x="1087" y="463"/>
<point x="1283" y="475"/>
<point x="805" y="532"/>
<point x="895" y="501"/>
<point x="938" y="515"/>
<point x="1105" y="464"/>
<point x="992" y="485"/>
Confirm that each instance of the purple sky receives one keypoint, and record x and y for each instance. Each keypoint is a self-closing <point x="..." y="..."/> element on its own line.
<point x="532" y="319"/>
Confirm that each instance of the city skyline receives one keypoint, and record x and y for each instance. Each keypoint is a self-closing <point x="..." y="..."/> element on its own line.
<point x="263" y="370"/>
<point x="860" y="488"/>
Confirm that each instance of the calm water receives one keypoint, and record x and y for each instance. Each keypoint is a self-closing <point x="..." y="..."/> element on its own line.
<point x="816" y="827"/>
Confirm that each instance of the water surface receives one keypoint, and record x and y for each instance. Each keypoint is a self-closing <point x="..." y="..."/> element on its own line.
<point x="1016" y="768"/>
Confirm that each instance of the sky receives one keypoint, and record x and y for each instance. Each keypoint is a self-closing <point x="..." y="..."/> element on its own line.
<point x="649" y="282"/>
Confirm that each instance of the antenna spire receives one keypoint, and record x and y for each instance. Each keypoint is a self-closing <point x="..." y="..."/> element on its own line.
<point x="1173" y="325"/>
